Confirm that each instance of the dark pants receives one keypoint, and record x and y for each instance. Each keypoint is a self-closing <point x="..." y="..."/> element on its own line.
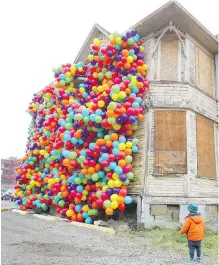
<point x="194" y="245"/>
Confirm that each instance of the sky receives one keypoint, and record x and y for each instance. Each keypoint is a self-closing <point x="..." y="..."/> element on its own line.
<point x="37" y="36"/>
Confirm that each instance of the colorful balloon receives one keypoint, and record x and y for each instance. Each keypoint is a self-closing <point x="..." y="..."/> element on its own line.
<point x="80" y="147"/>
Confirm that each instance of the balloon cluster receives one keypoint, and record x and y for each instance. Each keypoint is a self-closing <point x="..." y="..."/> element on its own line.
<point x="80" y="146"/>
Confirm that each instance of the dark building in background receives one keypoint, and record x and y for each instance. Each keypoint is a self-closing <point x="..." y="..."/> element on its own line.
<point x="8" y="173"/>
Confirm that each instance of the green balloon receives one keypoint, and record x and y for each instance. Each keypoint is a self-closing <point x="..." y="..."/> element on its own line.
<point x="61" y="203"/>
<point x="95" y="177"/>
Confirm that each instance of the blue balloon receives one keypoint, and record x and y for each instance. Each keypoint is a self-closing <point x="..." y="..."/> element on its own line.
<point x="85" y="215"/>
<point x="118" y="170"/>
<point x="92" y="146"/>
<point x="85" y="112"/>
<point x="112" y="165"/>
<point x="78" y="208"/>
<point x="88" y="220"/>
<point x="122" y="139"/>
<point x="79" y="188"/>
<point x="128" y="199"/>
<point x="135" y="149"/>
<point x="115" y="151"/>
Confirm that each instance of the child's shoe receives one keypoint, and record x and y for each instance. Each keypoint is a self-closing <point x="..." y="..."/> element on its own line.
<point x="199" y="260"/>
<point x="191" y="260"/>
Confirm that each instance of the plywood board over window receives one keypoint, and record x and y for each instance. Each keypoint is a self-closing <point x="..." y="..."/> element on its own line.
<point x="170" y="142"/>
<point x="169" y="60"/>
<point x="204" y="69"/>
<point x="205" y="147"/>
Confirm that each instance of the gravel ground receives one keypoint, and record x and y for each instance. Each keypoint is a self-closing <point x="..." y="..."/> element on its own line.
<point x="29" y="240"/>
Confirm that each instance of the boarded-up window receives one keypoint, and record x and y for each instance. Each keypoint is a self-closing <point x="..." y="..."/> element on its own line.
<point x="204" y="69"/>
<point x="205" y="147"/>
<point x="169" y="60"/>
<point x="170" y="142"/>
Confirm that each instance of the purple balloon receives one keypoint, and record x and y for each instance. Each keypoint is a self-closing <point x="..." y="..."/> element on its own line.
<point x="140" y="56"/>
<point x="124" y="38"/>
<point x="128" y="34"/>
<point x="116" y="190"/>
<point x="109" y="192"/>
<point x="131" y="119"/>
<point x="133" y="32"/>
<point x="123" y="177"/>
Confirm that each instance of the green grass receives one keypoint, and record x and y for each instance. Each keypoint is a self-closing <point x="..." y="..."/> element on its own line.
<point x="171" y="239"/>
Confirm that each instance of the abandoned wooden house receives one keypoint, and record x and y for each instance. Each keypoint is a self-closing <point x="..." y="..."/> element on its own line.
<point x="178" y="158"/>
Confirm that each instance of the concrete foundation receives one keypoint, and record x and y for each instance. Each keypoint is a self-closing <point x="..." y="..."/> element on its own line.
<point x="173" y="216"/>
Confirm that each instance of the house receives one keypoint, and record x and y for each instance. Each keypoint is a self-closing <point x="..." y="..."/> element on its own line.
<point x="8" y="174"/>
<point x="178" y="159"/>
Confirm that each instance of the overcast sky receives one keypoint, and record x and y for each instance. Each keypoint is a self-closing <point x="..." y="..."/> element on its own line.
<point x="39" y="35"/>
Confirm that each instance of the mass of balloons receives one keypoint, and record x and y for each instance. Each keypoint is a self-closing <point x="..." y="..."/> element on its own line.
<point x="80" y="147"/>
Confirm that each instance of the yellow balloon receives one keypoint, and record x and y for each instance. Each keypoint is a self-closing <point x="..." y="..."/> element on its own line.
<point x="122" y="94"/>
<point x="96" y="41"/>
<point x="122" y="146"/>
<point x="69" y="213"/>
<point x="85" y="208"/>
<point x="129" y="144"/>
<point x="117" y="183"/>
<point x="114" y="197"/>
<point x="115" y="97"/>
<point x="116" y="126"/>
<point x="111" y="184"/>
<point x="145" y="67"/>
<point x="105" y="187"/>
<point x="129" y="59"/>
<point x="114" y="205"/>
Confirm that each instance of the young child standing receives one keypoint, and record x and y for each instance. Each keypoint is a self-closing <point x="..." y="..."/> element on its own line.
<point x="194" y="227"/>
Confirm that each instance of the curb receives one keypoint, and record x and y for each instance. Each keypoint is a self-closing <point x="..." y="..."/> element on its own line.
<point x="20" y="212"/>
<point x="94" y="227"/>
<point x="46" y="217"/>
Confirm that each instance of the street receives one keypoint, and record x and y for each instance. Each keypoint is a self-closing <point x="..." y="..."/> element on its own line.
<point x="29" y="240"/>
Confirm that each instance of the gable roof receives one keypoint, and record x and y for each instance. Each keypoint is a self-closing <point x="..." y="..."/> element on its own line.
<point x="174" y="12"/>
<point x="94" y="33"/>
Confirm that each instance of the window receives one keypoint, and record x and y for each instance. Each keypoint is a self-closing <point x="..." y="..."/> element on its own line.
<point x="204" y="69"/>
<point x="169" y="59"/>
<point x="205" y="147"/>
<point x="170" y="142"/>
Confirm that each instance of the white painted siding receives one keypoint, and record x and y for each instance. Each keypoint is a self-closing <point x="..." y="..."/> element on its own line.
<point x="182" y="96"/>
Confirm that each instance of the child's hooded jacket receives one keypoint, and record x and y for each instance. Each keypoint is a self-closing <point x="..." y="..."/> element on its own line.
<point x="194" y="226"/>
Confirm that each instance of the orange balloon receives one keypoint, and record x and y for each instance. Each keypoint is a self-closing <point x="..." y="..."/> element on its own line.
<point x="66" y="162"/>
<point x="120" y="200"/>
<point x="97" y="167"/>
<point x="140" y="117"/>
<point x="128" y="151"/>
<point x="84" y="171"/>
<point x="129" y="132"/>
<point x="114" y="137"/>
<point x="125" y="53"/>
<point x="63" y="188"/>
<point x="109" y="211"/>
<point x="74" y="217"/>
<point x="110" y="113"/>
<point x="77" y="200"/>
<point x="127" y="65"/>
<point x="91" y="170"/>
<point x="108" y="143"/>
<point x="122" y="163"/>
<point x="65" y="194"/>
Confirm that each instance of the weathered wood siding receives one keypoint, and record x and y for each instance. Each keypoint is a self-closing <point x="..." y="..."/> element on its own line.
<point x="169" y="60"/>
<point x="205" y="188"/>
<point x="205" y="147"/>
<point x="139" y="163"/>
